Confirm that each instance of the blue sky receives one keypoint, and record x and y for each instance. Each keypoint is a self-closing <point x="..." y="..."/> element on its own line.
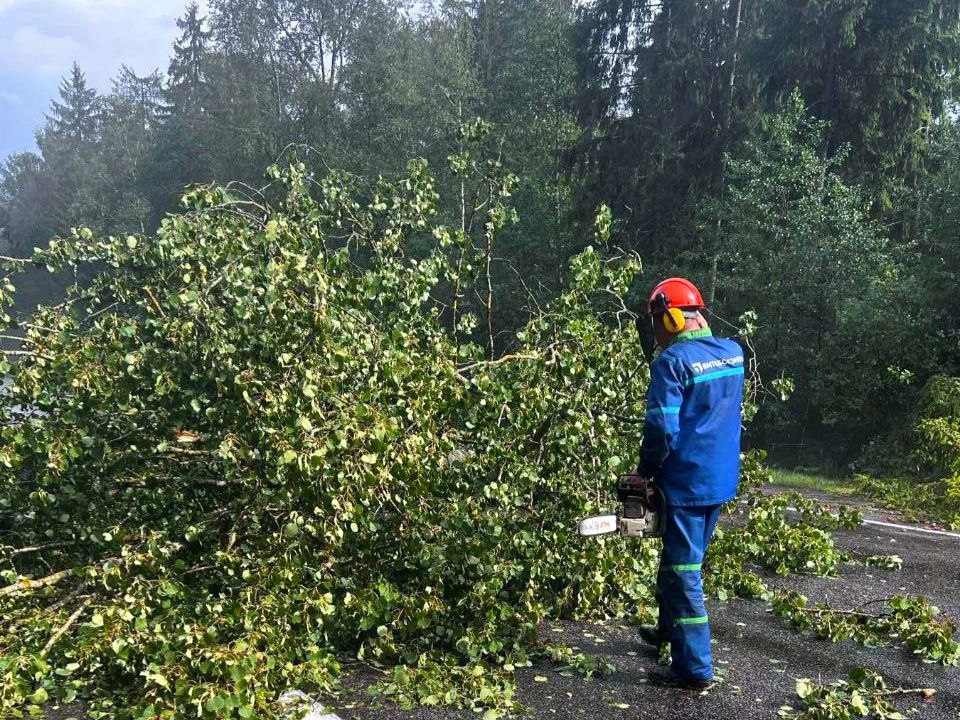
<point x="40" y="39"/>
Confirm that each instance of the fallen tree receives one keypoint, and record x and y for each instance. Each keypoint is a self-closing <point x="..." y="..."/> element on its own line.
<point x="253" y="446"/>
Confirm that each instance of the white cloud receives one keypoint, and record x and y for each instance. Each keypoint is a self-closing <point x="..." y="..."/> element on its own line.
<point x="32" y="52"/>
<point x="42" y="38"/>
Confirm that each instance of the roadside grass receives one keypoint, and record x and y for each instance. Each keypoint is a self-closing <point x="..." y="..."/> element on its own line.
<point x="914" y="500"/>
<point x="812" y="480"/>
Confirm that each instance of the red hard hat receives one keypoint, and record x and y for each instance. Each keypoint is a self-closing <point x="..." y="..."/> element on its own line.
<point x="677" y="293"/>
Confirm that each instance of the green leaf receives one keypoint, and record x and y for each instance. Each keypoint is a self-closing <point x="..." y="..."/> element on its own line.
<point x="271" y="230"/>
<point x="857" y="703"/>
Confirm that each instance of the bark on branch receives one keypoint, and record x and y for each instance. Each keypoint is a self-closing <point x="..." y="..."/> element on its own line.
<point x="66" y="626"/>
<point x="26" y="584"/>
<point x="41" y="548"/>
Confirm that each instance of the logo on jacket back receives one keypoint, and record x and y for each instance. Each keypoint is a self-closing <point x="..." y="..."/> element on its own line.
<point x="702" y="367"/>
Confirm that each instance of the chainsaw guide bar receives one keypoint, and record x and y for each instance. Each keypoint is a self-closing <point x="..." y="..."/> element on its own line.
<point x="599" y="525"/>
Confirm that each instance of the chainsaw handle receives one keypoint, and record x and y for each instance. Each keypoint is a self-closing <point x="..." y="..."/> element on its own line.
<point x="632" y="485"/>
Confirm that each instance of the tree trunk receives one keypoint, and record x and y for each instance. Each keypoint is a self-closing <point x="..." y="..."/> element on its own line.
<point x="724" y="144"/>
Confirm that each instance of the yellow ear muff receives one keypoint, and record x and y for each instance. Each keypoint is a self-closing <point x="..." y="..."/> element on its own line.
<point x="674" y="321"/>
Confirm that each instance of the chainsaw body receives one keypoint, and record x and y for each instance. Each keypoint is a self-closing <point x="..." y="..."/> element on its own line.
<point x="640" y="515"/>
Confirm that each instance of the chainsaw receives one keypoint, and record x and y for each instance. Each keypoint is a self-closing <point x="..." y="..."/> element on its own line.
<point x="640" y="515"/>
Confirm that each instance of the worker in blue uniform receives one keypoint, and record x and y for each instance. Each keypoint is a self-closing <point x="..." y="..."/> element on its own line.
<point x="691" y="449"/>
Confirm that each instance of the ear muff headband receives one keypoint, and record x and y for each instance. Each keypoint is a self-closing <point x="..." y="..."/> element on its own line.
<point x="674" y="319"/>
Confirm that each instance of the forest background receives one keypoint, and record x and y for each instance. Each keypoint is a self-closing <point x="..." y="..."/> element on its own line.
<point x="798" y="159"/>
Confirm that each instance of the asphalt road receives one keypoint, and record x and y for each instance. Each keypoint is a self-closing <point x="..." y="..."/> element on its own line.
<point x="757" y="653"/>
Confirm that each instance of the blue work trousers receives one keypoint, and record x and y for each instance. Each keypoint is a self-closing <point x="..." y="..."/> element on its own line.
<point x="683" y="616"/>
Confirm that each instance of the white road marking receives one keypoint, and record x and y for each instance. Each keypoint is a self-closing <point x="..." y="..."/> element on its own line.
<point x="913" y="529"/>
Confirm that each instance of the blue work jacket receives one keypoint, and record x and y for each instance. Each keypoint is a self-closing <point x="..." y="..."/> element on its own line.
<point x="691" y="433"/>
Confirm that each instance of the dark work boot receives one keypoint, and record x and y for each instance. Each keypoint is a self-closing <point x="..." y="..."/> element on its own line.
<point x="666" y="678"/>
<point x="652" y="635"/>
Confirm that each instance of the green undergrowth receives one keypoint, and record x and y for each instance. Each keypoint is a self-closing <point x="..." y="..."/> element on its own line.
<point x="934" y="501"/>
<point x="917" y="470"/>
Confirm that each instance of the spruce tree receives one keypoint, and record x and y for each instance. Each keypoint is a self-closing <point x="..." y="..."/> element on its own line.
<point x="74" y="121"/>
<point x="188" y="88"/>
<point x="68" y="144"/>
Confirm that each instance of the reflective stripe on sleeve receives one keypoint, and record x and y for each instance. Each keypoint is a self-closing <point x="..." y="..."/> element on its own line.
<point x="663" y="411"/>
